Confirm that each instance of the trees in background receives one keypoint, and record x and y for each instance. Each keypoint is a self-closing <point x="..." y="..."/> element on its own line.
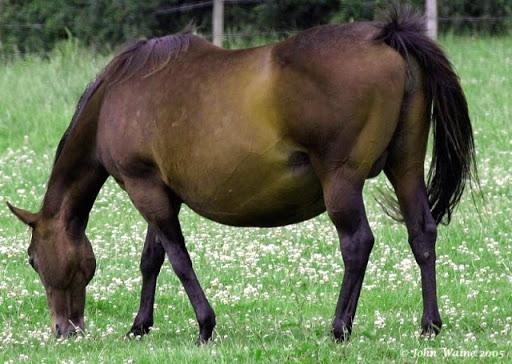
<point x="36" y="25"/>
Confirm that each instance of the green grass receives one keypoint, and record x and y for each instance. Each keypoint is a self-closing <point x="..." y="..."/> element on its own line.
<point x="274" y="290"/>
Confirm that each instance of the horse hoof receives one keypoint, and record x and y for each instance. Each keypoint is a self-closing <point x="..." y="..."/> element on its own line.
<point x="138" y="331"/>
<point x="202" y="340"/>
<point x="431" y="328"/>
<point x="341" y="332"/>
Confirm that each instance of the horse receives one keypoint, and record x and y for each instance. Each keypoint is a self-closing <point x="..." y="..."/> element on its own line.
<point x="264" y="137"/>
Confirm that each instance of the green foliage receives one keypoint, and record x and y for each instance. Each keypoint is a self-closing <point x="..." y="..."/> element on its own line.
<point x="498" y="15"/>
<point x="461" y="16"/>
<point x="37" y="25"/>
<point x="295" y="14"/>
<point x="353" y="10"/>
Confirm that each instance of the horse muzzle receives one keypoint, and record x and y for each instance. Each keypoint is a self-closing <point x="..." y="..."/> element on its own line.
<point x="64" y="327"/>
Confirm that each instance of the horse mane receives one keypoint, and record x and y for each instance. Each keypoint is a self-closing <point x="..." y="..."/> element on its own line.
<point x="146" y="57"/>
<point x="141" y="58"/>
<point x="84" y="99"/>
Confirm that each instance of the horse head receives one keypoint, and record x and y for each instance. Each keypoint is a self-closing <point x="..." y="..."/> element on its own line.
<point x="65" y="264"/>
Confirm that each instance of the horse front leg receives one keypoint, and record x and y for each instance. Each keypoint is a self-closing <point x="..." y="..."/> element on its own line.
<point x="153" y="256"/>
<point x="344" y="203"/>
<point x="422" y="230"/>
<point x="160" y="207"/>
<point x="174" y="245"/>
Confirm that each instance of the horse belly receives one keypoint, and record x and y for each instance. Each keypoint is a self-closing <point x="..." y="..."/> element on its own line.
<point x="260" y="192"/>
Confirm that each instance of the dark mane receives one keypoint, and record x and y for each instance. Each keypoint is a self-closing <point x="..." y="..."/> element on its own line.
<point x="89" y="91"/>
<point x="142" y="58"/>
<point x="146" y="57"/>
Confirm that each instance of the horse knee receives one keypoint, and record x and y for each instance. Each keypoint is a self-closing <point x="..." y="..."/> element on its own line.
<point x="423" y="245"/>
<point x="151" y="261"/>
<point x="356" y="249"/>
<point x="345" y="206"/>
<point x="146" y="267"/>
<point x="182" y="267"/>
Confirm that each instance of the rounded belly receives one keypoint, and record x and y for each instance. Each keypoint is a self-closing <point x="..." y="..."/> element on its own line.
<point x="270" y="189"/>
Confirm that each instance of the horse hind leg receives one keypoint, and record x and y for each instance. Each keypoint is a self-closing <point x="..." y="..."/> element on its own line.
<point x="412" y="197"/>
<point x="405" y="171"/>
<point x="344" y="203"/>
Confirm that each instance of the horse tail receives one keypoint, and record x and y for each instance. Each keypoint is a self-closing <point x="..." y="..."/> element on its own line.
<point x="453" y="156"/>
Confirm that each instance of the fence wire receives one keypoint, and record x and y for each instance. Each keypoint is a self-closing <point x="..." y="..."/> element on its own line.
<point x="227" y="36"/>
<point x="452" y="19"/>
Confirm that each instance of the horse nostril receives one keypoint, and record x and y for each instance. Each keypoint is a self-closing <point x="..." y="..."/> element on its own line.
<point x="57" y="330"/>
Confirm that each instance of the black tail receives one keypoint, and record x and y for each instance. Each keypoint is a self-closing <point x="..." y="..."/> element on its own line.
<point x="453" y="160"/>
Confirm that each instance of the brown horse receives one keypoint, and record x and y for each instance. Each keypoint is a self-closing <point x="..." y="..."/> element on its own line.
<point x="266" y="136"/>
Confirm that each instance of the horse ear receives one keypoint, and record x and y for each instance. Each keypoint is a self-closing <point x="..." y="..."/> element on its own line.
<point x="26" y="217"/>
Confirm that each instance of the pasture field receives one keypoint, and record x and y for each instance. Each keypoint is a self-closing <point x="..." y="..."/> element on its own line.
<point x="274" y="290"/>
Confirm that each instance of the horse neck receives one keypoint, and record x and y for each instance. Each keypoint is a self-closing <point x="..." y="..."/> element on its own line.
<point x="75" y="181"/>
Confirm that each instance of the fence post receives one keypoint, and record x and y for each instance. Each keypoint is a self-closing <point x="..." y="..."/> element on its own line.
<point x="431" y="13"/>
<point x="218" y="22"/>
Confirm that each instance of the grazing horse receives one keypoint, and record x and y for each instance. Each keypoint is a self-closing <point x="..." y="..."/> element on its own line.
<point x="265" y="137"/>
